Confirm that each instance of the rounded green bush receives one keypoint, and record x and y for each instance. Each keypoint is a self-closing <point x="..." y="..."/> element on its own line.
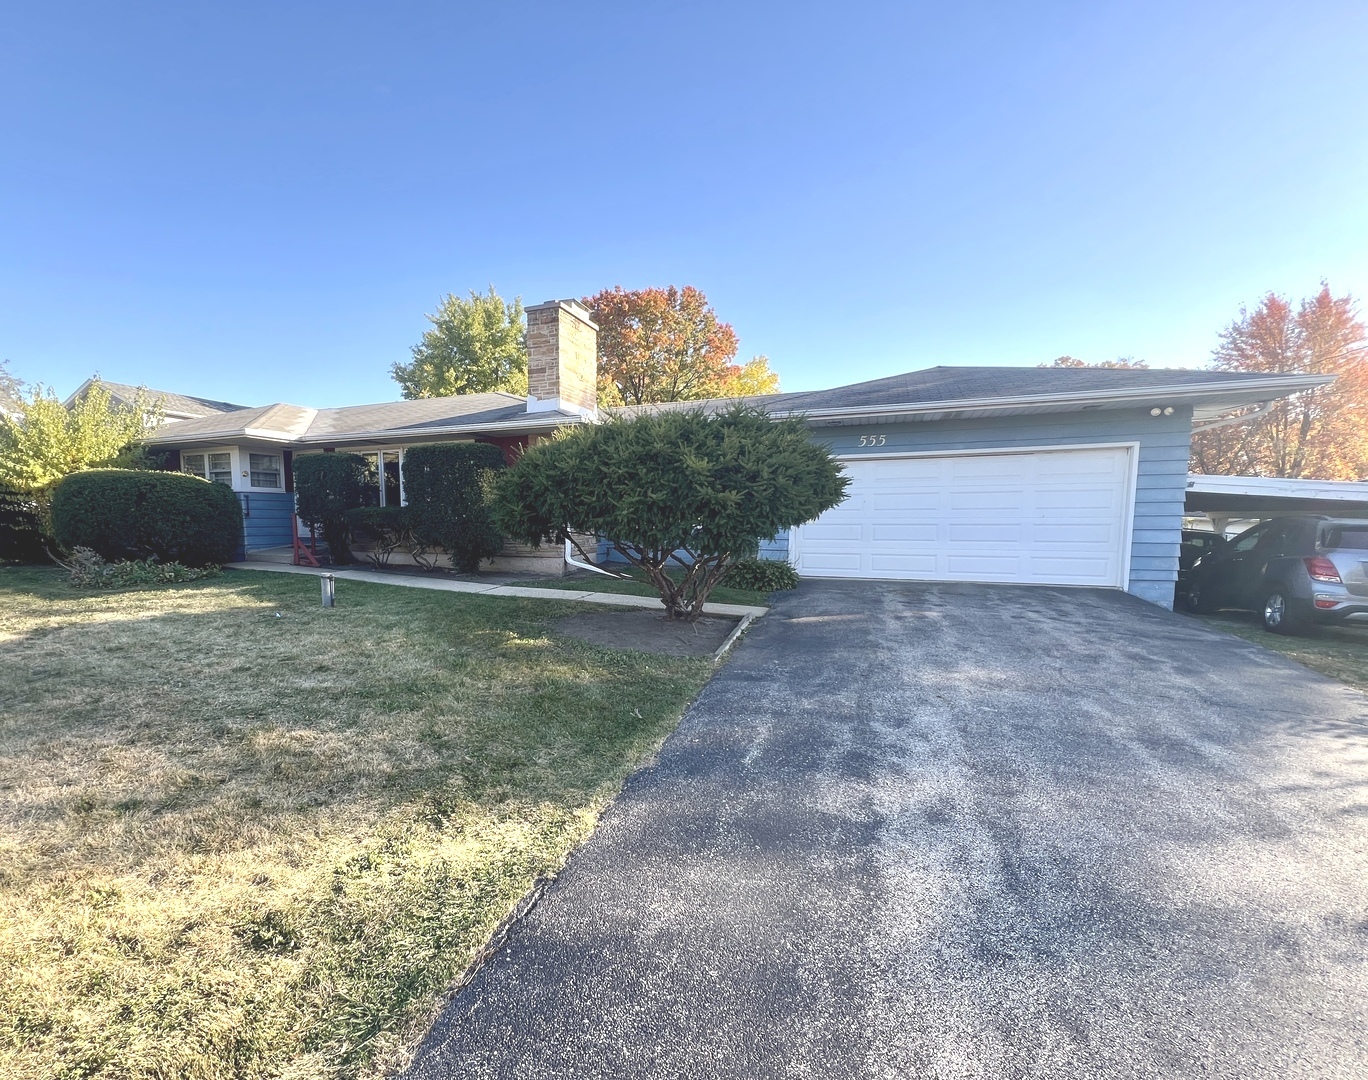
<point x="169" y="516"/>
<point x="762" y="575"/>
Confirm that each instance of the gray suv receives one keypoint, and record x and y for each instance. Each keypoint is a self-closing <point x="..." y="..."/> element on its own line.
<point x="1293" y="571"/>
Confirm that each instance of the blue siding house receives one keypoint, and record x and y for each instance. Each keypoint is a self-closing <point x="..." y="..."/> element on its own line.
<point x="1052" y="476"/>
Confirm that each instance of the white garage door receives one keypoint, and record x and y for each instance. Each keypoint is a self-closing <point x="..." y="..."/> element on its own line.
<point x="1056" y="517"/>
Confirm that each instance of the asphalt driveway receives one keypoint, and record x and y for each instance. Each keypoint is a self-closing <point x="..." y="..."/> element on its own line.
<point x="960" y="831"/>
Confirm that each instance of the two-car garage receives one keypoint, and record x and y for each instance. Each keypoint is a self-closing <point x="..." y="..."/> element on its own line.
<point x="1056" y="516"/>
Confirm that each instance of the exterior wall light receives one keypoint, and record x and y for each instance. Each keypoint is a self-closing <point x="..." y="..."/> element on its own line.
<point x="1156" y="411"/>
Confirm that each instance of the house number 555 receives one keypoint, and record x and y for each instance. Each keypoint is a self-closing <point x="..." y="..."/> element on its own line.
<point x="873" y="440"/>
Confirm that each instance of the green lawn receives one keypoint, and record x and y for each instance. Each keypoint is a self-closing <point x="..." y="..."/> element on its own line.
<point x="1338" y="651"/>
<point x="243" y="836"/>
<point x="638" y="586"/>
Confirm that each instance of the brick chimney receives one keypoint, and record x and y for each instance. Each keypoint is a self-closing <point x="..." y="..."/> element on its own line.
<point x="562" y="358"/>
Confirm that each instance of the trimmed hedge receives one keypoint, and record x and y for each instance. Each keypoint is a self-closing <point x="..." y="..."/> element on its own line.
<point x="172" y="517"/>
<point x="447" y="488"/>
<point x="327" y="486"/>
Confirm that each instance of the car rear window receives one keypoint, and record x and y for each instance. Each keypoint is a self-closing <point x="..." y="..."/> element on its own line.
<point x="1354" y="537"/>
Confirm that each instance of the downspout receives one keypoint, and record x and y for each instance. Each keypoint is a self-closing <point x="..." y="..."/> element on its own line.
<point x="570" y="558"/>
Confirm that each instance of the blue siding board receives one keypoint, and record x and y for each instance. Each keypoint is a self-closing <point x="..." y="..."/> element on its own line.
<point x="268" y="523"/>
<point x="776" y="548"/>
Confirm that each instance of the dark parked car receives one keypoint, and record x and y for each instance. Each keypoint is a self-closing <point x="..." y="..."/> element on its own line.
<point x="1293" y="571"/>
<point x="1196" y="543"/>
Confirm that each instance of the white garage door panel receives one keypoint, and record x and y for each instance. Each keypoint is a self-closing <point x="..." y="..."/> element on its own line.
<point x="907" y="534"/>
<point x="847" y="563"/>
<point x="983" y="567"/>
<point x="897" y="565"/>
<point x="833" y="531"/>
<point x="981" y="532"/>
<point x="1041" y="517"/>
<point x="1075" y="501"/>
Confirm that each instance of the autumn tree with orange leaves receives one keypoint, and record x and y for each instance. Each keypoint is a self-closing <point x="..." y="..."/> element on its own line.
<point x="1127" y="362"/>
<point x="1318" y="434"/>
<point x="668" y="345"/>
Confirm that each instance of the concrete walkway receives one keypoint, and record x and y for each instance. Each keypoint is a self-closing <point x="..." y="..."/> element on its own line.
<point x="442" y="584"/>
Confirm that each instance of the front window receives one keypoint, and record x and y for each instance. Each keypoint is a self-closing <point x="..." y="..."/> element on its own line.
<point x="380" y="481"/>
<point x="264" y="470"/>
<point x="216" y="467"/>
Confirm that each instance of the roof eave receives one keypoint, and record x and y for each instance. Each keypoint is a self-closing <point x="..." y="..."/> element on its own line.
<point x="534" y="422"/>
<point x="1262" y="391"/>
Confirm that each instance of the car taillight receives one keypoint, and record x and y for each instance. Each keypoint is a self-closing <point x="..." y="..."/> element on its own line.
<point x="1321" y="569"/>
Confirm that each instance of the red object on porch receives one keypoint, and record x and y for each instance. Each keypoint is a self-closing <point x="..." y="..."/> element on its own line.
<point x="304" y="554"/>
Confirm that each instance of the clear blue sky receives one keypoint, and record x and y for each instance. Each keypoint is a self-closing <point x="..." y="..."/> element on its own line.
<point x="259" y="201"/>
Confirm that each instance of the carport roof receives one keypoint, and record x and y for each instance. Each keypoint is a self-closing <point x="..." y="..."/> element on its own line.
<point x="1266" y="496"/>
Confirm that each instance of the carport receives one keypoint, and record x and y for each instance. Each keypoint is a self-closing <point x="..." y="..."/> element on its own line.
<point x="1226" y="499"/>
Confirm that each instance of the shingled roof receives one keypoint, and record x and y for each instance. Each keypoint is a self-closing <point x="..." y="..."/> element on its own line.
<point x="929" y="394"/>
<point x="390" y="420"/>
<point x="173" y="405"/>
<point x="986" y="390"/>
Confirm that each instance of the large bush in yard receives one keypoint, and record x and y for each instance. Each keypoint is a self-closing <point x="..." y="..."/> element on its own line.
<point x="447" y="491"/>
<point x="327" y="486"/>
<point x="169" y="516"/>
<point x="680" y="494"/>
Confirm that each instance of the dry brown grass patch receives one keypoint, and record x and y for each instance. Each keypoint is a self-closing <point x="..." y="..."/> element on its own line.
<point x="242" y="836"/>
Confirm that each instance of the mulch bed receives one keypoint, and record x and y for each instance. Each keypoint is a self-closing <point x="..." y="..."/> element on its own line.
<point x="647" y="631"/>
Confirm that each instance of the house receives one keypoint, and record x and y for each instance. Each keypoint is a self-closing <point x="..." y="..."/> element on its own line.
<point x="1052" y="476"/>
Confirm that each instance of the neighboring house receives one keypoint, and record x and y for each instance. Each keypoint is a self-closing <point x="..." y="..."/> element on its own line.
<point x="174" y="406"/>
<point x="1052" y="476"/>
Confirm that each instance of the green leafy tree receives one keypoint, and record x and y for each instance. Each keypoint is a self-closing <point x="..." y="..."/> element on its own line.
<point x="327" y="486"/>
<point x="680" y="494"/>
<point x="475" y="346"/>
<point x="42" y="440"/>
<point x="752" y="377"/>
